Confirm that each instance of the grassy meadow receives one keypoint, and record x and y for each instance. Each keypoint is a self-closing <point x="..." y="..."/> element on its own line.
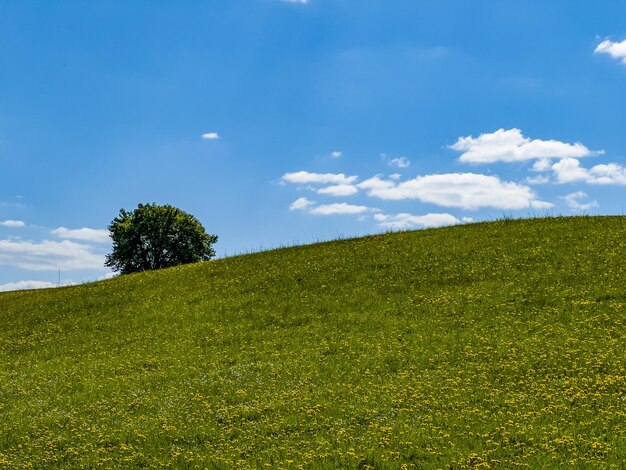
<point x="487" y="345"/>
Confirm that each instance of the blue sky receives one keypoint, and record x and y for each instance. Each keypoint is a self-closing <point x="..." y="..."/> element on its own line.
<point x="278" y="122"/>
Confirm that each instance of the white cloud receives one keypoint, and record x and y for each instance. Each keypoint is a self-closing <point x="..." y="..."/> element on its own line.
<point x="339" y="190"/>
<point x="404" y="220"/>
<point x="541" y="205"/>
<point x="49" y="255"/>
<point x="342" y="208"/>
<point x="617" y="50"/>
<point x="611" y="173"/>
<point x="463" y="190"/>
<point x="511" y="146"/>
<point x="12" y="223"/>
<point x="395" y="176"/>
<point x="376" y="182"/>
<point x="304" y="177"/>
<point x="400" y="162"/>
<point x="12" y="204"/>
<point x="87" y="234"/>
<point x="302" y="2"/>
<point x="24" y="285"/>
<point x="211" y="136"/>
<point x="579" y="201"/>
<point x="539" y="179"/>
<point x="542" y="165"/>
<point x="336" y="154"/>
<point x="569" y="170"/>
<point x="301" y="204"/>
<point x="109" y="275"/>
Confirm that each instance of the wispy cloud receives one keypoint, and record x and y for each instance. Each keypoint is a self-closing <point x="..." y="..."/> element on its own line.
<point x="303" y="2"/>
<point x="49" y="255"/>
<point x="579" y="201"/>
<point x="12" y="223"/>
<point x="339" y="190"/>
<point x="541" y="205"/>
<point x="336" y="154"/>
<point x="538" y="179"/>
<point x="617" y="50"/>
<point x="405" y="221"/>
<point x="304" y="177"/>
<point x="24" y="285"/>
<point x="21" y="205"/>
<point x="400" y="162"/>
<point x="377" y="183"/>
<point x="512" y="146"/>
<point x="301" y="204"/>
<point x="86" y="234"/>
<point x="211" y="136"/>
<point x="341" y="208"/>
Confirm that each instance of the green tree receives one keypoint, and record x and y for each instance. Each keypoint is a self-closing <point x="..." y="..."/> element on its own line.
<point x="154" y="237"/>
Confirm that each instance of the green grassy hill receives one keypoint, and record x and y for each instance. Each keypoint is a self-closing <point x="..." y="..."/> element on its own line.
<point x="493" y="344"/>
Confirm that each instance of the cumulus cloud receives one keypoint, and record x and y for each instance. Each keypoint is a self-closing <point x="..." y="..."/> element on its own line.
<point x="341" y="208"/>
<point x="336" y="154"/>
<point x="49" y="255"/>
<point x="24" y="285"/>
<point x="87" y="234"/>
<point x="339" y="190"/>
<point x="611" y="173"/>
<point x="579" y="201"/>
<point x="400" y="162"/>
<point x="211" y="136"/>
<point x="463" y="190"/>
<point x="304" y="177"/>
<point x="511" y="146"/>
<point x="301" y="204"/>
<point x="569" y="170"/>
<point x="617" y="50"/>
<point x="12" y="223"/>
<point x="404" y="220"/>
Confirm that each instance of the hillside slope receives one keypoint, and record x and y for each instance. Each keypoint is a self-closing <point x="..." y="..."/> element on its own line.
<point x="479" y="345"/>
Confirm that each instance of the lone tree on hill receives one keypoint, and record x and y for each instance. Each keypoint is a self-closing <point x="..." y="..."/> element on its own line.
<point x="154" y="237"/>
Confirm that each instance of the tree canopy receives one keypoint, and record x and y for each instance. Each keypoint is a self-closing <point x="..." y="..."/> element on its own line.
<point x="154" y="237"/>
